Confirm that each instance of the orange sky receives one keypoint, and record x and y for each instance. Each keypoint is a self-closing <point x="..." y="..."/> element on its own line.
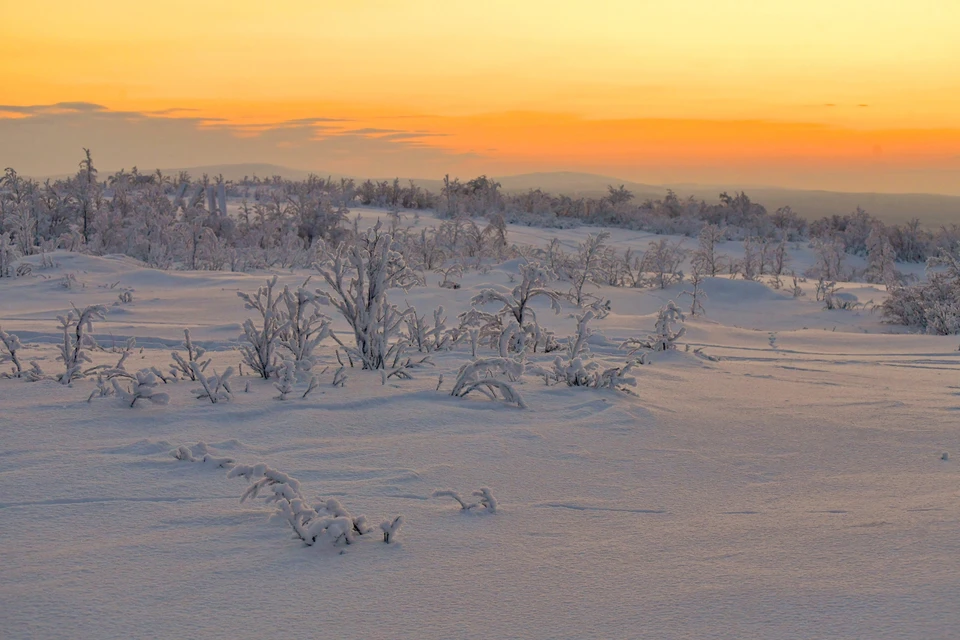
<point x="841" y="94"/>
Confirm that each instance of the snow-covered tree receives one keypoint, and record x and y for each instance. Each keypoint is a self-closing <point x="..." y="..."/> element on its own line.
<point x="698" y="294"/>
<point x="705" y="257"/>
<point x="305" y="326"/>
<point x="881" y="257"/>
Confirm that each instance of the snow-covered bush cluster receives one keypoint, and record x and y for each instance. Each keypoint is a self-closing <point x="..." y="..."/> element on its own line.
<point x="932" y="306"/>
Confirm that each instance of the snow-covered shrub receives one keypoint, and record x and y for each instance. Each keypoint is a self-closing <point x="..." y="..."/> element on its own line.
<point x="881" y="257"/>
<point x="77" y="326"/>
<point x="532" y="285"/>
<point x="143" y="388"/>
<point x="9" y="252"/>
<point x="213" y="388"/>
<point x="486" y="504"/>
<point x="587" y="268"/>
<point x="705" y="258"/>
<point x="391" y="528"/>
<point x="698" y="294"/>
<point x="305" y="326"/>
<point x="665" y="335"/>
<point x="514" y="327"/>
<point x="260" y="352"/>
<point x="359" y="276"/>
<point x="663" y="260"/>
<point x="427" y="338"/>
<point x="286" y="379"/>
<point x="479" y="376"/>
<point x="200" y="453"/>
<point x="11" y="345"/>
<point x="326" y="521"/>
<point x="579" y="370"/>
<point x="184" y="367"/>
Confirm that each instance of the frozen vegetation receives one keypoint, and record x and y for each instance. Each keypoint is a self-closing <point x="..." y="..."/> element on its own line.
<point x="716" y="422"/>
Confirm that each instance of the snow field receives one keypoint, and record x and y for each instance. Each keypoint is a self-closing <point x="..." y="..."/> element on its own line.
<point x="794" y="488"/>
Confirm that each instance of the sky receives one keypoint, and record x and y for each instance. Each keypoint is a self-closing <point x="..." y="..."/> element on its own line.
<point x="848" y="95"/>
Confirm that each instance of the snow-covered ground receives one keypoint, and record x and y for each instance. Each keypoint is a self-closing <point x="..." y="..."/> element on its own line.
<point x="792" y="488"/>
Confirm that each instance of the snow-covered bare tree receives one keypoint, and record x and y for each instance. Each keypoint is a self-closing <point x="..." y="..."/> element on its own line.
<point x="705" y="256"/>
<point x="587" y="268"/>
<point x="698" y="294"/>
<point x="359" y="276"/>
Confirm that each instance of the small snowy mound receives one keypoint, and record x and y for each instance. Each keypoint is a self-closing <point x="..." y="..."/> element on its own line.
<point x="725" y="290"/>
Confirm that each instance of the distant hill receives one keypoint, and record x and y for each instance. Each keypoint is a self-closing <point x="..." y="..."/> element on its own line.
<point x="932" y="209"/>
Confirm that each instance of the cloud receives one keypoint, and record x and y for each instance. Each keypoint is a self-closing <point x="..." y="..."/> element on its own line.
<point x="48" y="140"/>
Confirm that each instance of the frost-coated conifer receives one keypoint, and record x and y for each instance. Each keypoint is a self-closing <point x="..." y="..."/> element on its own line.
<point x="77" y="326"/>
<point x="260" y="352"/>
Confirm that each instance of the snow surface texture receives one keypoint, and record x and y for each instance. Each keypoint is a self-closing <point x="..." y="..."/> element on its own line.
<point x="791" y="488"/>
